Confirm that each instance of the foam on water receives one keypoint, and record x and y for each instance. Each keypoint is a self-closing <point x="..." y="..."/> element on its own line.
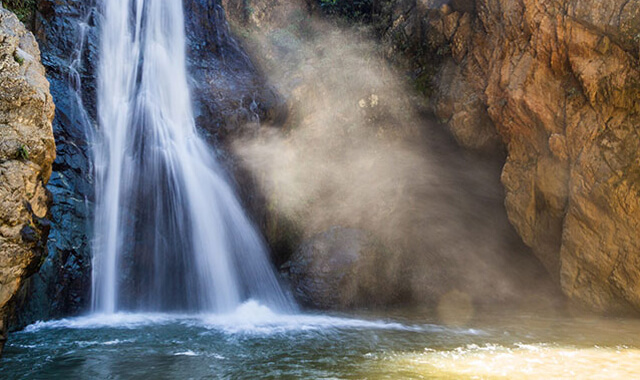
<point x="99" y="321"/>
<point x="251" y="318"/>
<point x="254" y="341"/>
<point x="254" y="318"/>
<point x="185" y="353"/>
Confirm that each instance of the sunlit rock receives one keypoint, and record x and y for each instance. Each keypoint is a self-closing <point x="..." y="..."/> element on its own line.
<point x="559" y="83"/>
<point x="27" y="150"/>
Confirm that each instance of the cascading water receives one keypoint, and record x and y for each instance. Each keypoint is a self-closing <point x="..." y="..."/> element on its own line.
<point x="170" y="233"/>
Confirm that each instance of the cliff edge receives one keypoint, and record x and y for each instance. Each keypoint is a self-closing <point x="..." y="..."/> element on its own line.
<point x="27" y="150"/>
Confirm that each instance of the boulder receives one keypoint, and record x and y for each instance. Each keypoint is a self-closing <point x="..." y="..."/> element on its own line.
<point x="342" y="268"/>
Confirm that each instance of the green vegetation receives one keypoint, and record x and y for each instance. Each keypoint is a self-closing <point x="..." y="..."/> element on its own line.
<point x="573" y="92"/>
<point x="376" y="14"/>
<point x="18" y="58"/>
<point x="23" y="152"/>
<point x="354" y="10"/>
<point x="423" y="83"/>
<point x="24" y="9"/>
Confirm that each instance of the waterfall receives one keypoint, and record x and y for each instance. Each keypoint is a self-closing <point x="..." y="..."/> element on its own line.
<point x="170" y="234"/>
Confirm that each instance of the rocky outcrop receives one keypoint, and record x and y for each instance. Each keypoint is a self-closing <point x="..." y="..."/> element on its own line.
<point x="26" y="152"/>
<point x="558" y="81"/>
<point x="62" y="286"/>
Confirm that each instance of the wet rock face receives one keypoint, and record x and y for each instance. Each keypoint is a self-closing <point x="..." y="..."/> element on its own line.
<point x="26" y="152"/>
<point x="559" y="82"/>
<point x="63" y="284"/>
<point x="228" y="92"/>
<point x="343" y="268"/>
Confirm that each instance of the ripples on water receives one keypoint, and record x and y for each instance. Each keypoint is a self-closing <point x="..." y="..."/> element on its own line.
<point x="254" y="342"/>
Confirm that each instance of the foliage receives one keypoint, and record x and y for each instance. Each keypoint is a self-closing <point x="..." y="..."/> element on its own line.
<point x="24" y="9"/>
<point x="23" y="152"/>
<point x="374" y="13"/>
<point x="18" y="59"/>
<point x="355" y="10"/>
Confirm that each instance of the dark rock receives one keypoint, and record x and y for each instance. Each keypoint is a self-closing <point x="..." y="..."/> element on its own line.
<point x="29" y="234"/>
<point x="228" y="91"/>
<point x="62" y="286"/>
<point x="343" y="268"/>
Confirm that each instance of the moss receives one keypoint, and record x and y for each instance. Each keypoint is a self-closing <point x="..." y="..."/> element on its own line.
<point x="427" y="58"/>
<point x="24" y="9"/>
<point x="443" y="50"/>
<point x="572" y="92"/>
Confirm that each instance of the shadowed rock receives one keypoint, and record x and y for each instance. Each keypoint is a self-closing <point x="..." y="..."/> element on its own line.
<point x="343" y="268"/>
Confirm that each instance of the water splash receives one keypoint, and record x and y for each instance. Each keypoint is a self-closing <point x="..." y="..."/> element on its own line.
<point x="170" y="234"/>
<point x="248" y="319"/>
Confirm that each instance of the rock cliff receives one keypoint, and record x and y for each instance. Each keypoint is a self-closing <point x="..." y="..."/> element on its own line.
<point x="558" y="83"/>
<point x="358" y="152"/>
<point x="62" y="286"/>
<point x="27" y="151"/>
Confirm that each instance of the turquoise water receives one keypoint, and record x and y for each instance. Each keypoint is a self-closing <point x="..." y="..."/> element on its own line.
<point x="254" y="343"/>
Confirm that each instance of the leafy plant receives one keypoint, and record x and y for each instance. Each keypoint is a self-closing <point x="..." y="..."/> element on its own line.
<point x="24" y="9"/>
<point x="23" y="152"/>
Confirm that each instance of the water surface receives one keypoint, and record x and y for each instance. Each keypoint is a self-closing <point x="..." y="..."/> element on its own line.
<point x="254" y="342"/>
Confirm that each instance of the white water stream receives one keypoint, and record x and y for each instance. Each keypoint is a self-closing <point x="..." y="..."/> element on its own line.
<point x="170" y="234"/>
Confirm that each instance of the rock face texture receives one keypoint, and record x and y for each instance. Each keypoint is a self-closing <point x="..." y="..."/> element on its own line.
<point x="228" y="91"/>
<point x="559" y="82"/>
<point x="63" y="284"/>
<point x="27" y="151"/>
<point x="343" y="269"/>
